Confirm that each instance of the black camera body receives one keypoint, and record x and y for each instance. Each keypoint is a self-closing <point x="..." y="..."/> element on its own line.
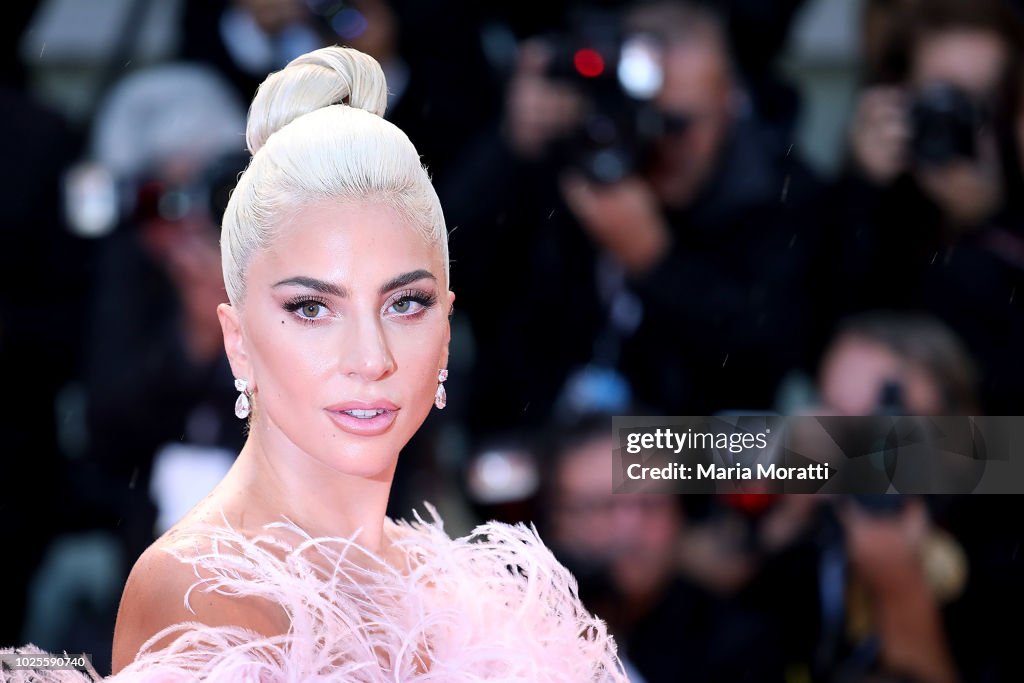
<point x="891" y="401"/>
<point x="97" y="203"/>
<point x="945" y="123"/>
<point x="618" y="75"/>
<point x="207" y="191"/>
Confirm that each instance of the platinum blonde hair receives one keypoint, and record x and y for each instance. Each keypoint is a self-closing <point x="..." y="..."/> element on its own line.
<point x="316" y="134"/>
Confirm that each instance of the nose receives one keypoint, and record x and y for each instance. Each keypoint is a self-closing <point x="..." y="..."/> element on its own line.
<point x="365" y="350"/>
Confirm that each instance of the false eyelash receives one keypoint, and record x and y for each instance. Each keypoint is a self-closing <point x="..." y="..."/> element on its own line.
<point x="424" y="299"/>
<point x="295" y="304"/>
<point x="298" y="302"/>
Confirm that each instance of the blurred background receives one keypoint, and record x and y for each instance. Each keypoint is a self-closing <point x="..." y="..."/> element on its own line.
<point x="689" y="207"/>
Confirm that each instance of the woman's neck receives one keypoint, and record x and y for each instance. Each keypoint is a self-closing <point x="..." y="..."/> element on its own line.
<point x="273" y="478"/>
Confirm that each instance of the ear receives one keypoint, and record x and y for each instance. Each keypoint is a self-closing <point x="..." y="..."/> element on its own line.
<point x="234" y="342"/>
<point x="448" y="330"/>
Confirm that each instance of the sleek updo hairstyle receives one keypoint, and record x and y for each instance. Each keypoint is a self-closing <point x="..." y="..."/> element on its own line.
<point x="316" y="134"/>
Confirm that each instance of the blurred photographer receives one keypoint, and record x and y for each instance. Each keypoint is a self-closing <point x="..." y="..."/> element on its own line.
<point x="922" y="573"/>
<point x="884" y="362"/>
<point x="428" y="51"/>
<point x="939" y="123"/>
<point x="623" y="549"/>
<point x="929" y="208"/>
<point x="665" y="233"/>
<point x="171" y="139"/>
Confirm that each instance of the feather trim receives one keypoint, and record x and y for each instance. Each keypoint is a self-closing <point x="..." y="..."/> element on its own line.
<point x="491" y="606"/>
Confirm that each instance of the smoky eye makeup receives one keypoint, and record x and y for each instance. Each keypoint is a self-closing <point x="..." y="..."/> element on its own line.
<point x="306" y="307"/>
<point x="408" y="303"/>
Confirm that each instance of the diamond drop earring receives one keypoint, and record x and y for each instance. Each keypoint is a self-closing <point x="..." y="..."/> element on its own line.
<point x="242" y="405"/>
<point x="440" y="398"/>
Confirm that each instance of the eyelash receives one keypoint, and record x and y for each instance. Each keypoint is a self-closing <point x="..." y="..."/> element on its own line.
<point x="295" y="304"/>
<point x="426" y="300"/>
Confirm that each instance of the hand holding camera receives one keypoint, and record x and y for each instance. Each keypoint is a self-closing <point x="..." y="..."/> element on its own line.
<point x="624" y="218"/>
<point x="886" y="549"/>
<point x="941" y="134"/>
<point x="879" y="133"/>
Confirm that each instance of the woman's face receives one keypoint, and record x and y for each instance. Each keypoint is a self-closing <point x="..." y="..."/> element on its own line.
<point x="343" y="329"/>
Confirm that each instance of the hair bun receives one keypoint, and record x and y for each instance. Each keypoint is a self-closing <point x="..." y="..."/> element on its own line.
<point x="330" y="75"/>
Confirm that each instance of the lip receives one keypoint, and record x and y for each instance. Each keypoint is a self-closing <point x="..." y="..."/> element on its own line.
<point x="363" y="405"/>
<point x="370" y="426"/>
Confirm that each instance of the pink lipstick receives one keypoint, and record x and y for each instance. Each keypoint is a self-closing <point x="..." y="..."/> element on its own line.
<point x="364" y="418"/>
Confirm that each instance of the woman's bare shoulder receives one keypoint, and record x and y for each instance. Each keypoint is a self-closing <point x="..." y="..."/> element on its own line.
<point x="154" y="598"/>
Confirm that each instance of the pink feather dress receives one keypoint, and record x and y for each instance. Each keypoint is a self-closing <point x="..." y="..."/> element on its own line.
<point x="491" y="606"/>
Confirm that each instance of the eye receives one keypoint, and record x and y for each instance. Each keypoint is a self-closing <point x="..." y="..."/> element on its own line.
<point x="308" y="309"/>
<point x="311" y="309"/>
<point x="411" y="303"/>
<point x="404" y="306"/>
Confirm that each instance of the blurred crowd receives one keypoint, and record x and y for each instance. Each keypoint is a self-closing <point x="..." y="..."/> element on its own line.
<point x="634" y="229"/>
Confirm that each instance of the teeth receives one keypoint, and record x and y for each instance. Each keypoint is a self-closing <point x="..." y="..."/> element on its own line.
<point x="364" y="413"/>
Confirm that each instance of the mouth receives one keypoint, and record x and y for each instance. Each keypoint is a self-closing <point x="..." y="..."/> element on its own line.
<point x="364" y="414"/>
<point x="364" y="419"/>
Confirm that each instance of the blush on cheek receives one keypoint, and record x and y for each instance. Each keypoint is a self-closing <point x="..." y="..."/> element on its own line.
<point x="426" y="389"/>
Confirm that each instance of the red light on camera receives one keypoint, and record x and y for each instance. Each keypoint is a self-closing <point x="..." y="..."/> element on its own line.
<point x="588" y="62"/>
<point x="752" y="504"/>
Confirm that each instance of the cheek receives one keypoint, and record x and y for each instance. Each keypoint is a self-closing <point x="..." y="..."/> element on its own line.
<point x="417" y="354"/>
<point x="923" y="397"/>
<point x="703" y="139"/>
<point x="288" y="355"/>
<point x="289" y="359"/>
<point x="847" y="392"/>
<point x="290" y="362"/>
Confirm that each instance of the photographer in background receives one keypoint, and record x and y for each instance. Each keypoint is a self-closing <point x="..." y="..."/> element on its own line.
<point x="44" y="276"/>
<point x="617" y="264"/>
<point x="428" y="51"/>
<point x="919" y="571"/>
<point x="158" y="380"/>
<point x="875" y="351"/>
<point x="623" y="549"/>
<point x="929" y="210"/>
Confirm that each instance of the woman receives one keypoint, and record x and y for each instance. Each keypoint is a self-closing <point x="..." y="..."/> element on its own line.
<point x="336" y="266"/>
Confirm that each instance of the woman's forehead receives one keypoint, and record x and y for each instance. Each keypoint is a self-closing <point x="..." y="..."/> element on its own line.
<point x="349" y="241"/>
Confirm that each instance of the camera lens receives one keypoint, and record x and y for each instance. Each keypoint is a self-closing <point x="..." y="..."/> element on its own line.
<point x="945" y="122"/>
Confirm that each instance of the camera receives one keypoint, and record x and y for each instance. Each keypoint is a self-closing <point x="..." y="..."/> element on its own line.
<point x="207" y="191"/>
<point x="945" y="122"/>
<point x="891" y="401"/>
<point x="96" y="202"/>
<point x="619" y="74"/>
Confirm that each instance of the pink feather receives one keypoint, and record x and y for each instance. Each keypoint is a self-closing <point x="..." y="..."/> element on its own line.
<point x="492" y="606"/>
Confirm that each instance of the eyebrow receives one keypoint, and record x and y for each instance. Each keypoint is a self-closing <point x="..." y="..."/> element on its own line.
<point x="334" y="290"/>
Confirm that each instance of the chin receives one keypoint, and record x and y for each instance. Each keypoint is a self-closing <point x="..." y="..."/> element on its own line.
<point x="372" y="458"/>
<point x="366" y="456"/>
